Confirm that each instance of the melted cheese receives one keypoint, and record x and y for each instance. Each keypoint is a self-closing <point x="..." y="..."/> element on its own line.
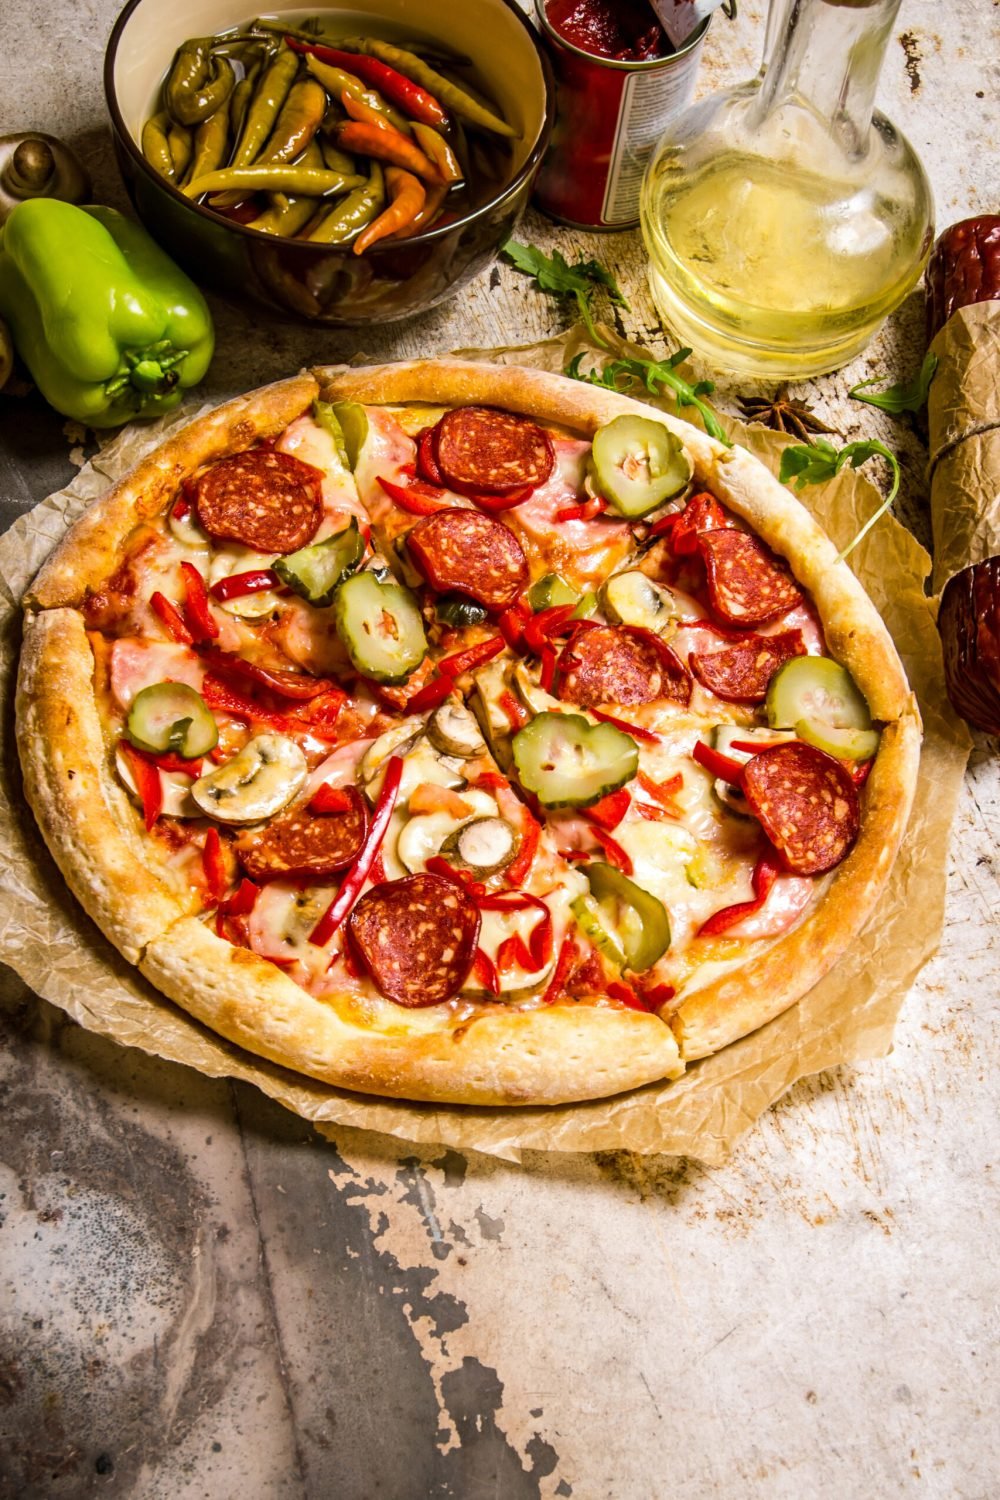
<point x="139" y="664"/>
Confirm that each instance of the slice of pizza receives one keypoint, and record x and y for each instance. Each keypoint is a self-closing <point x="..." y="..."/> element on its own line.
<point x="247" y="738"/>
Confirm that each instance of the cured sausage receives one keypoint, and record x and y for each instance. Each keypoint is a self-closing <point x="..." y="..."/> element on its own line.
<point x="464" y="552"/>
<point x="264" y="499"/>
<point x="302" y="844"/>
<point x="964" y="268"/>
<point x="416" y="938"/>
<point x="747" y="585"/>
<point x="614" y="664"/>
<point x="740" y="673"/>
<point x="479" y="449"/>
<point x="806" y="803"/>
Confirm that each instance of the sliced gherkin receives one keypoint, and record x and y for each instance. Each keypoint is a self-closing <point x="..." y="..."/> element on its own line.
<point x="846" y="744"/>
<point x="819" y="689"/>
<point x="353" y="422"/>
<point x="315" y="572"/>
<point x="170" y="718"/>
<point x="568" y="762"/>
<point x="630" y="598"/>
<point x="549" y="591"/>
<point x="636" y="463"/>
<point x="381" y="627"/>
<point x="638" y="919"/>
<point x="325" y="417"/>
<point x="584" y="910"/>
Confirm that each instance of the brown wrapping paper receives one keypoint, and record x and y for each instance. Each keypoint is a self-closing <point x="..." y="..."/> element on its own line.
<point x="49" y="941"/>
<point x="963" y="419"/>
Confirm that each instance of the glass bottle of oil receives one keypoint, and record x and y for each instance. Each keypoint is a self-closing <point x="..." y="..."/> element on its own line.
<point x="783" y="218"/>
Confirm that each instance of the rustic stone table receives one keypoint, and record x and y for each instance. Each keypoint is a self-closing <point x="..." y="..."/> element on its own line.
<point x="203" y="1298"/>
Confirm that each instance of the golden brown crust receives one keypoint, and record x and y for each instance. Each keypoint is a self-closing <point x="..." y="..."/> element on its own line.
<point x="92" y="550"/>
<point x="553" y="1055"/>
<point x="86" y="819"/>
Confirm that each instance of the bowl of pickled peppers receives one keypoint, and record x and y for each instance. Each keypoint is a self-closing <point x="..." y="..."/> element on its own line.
<point x="344" y="167"/>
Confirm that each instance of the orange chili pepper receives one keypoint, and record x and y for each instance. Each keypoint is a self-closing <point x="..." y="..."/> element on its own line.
<point x="434" y="201"/>
<point x="359" y="109"/>
<point x="406" y="199"/>
<point x="436" y="147"/>
<point x="386" y="143"/>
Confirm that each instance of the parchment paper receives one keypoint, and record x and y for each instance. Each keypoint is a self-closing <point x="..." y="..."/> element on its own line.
<point x="963" y="419"/>
<point x="850" y="1015"/>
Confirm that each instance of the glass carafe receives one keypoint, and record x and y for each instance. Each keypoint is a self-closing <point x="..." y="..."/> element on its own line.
<point x="783" y="218"/>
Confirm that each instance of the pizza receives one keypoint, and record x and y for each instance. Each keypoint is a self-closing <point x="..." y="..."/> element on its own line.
<point x="464" y="733"/>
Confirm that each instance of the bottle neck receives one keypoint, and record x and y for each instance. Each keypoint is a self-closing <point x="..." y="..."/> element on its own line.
<point x="826" y="56"/>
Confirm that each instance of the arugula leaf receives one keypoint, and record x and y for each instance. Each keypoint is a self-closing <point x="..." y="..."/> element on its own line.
<point x="909" y="395"/>
<point x="653" y="375"/>
<point x="555" y="275"/>
<point x="818" y="461"/>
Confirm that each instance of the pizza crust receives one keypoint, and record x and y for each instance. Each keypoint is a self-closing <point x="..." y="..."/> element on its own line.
<point x="81" y="808"/>
<point x="554" y="1055"/>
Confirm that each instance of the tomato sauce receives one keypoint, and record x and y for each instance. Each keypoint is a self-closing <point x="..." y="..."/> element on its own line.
<point x="627" y="30"/>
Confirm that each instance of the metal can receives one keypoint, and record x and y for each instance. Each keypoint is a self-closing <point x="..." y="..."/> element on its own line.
<point x="609" y="116"/>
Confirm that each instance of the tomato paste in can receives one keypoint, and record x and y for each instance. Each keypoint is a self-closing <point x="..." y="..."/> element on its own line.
<point x="610" y="109"/>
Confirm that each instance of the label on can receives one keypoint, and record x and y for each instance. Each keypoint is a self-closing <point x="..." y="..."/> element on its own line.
<point x="648" y="101"/>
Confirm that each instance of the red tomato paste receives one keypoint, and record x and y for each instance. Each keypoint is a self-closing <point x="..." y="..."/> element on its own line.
<point x="625" y="30"/>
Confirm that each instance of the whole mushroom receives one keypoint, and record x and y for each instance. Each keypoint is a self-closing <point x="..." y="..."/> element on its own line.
<point x="36" y="165"/>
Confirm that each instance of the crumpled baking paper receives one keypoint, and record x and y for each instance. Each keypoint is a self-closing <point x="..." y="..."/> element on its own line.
<point x="46" y="937"/>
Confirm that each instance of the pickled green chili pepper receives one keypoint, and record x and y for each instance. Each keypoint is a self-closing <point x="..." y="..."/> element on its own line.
<point x="274" y="179"/>
<point x="298" y="121"/>
<point x="337" y="160"/>
<point x="336" y="81"/>
<point x="179" y="141"/>
<point x="343" y="223"/>
<point x="285" y="216"/>
<point x="270" y="95"/>
<point x="156" y="146"/>
<point x="434" y="145"/>
<point x="446" y="92"/>
<point x="198" y="83"/>
<point x="211" y="142"/>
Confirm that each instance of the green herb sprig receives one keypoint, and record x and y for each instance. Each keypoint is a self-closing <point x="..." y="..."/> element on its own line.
<point x="816" y="462"/>
<point x="578" y="282"/>
<point x="654" y="375"/>
<point x="908" y="395"/>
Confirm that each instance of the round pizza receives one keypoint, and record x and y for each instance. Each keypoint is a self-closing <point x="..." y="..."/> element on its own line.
<point x="464" y="733"/>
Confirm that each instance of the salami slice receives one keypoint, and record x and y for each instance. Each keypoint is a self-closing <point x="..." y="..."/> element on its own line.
<point x="702" y="513"/>
<point x="302" y="844"/>
<point x="267" y="500"/>
<point x="464" y="552"/>
<point x="416" y="938"/>
<point x="613" y="664"/>
<point x="747" y="585"/>
<point x="806" y="803"/>
<point x="482" y="450"/>
<point x="741" y="673"/>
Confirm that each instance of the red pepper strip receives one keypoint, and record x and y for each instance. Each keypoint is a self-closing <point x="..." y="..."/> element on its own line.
<point x="396" y="87"/>
<point x="659" y="995"/>
<point x="548" y="676"/>
<point x="484" y="972"/>
<point x="330" y="799"/>
<point x="567" y="954"/>
<point x="585" y="512"/>
<point x="765" y="873"/>
<point x="438" y="865"/>
<point x="545" y="624"/>
<point x="214" y="866"/>
<point x="414" y="497"/>
<point x="181" y="507"/>
<point x="298" y="686"/>
<point x="356" y="876"/>
<point x="657" y="814"/>
<point x="513" y="954"/>
<point x="197" y="613"/>
<point x="716" y="763"/>
<point x="662" y="792"/>
<point x="645" y="736"/>
<point x="241" y="902"/>
<point x="617" y="856"/>
<point x="322" y="713"/>
<point x="377" y="874"/>
<point x="611" y="809"/>
<point x="665" y="524"/>
<point x="169" y="762"/>
<point x="860" y="773"/>
<point x="517" y="871"/>
<point x="170" y="618"/>
<point x="702" y="513"/>
<point x="492" y="780"/>
<point x="238" y="584"/>
<point x="430" y="695"/>
<point x="147" y="784"/>
<point x="576" y="854"/>
<point x="473" y="656"/>
<point x="516" y="713"/>
<point x="427" y="463"/>
<point x="752" y="747"/>
<point x="627" y="995"/>
<point x="220" y="696"/>
<point x="511" y="623"/>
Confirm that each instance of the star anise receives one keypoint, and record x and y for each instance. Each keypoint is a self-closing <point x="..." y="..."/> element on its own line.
<point x="784" y="414"/>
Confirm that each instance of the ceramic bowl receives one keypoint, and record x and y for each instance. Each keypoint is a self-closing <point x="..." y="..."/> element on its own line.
<point x="328" y="284"/>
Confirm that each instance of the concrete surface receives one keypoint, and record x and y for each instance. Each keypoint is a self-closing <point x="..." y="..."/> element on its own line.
<point x="201" y="1298"/>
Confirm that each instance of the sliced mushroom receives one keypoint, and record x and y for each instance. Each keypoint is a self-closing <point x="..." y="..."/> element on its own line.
<point x="185" y="529"/>
<point x="484" y="846"/>
<point x="453" y="729"/>
<point x="427" y="834"/>
<point x="399" y="740"/>
<point x="258" y="782"/>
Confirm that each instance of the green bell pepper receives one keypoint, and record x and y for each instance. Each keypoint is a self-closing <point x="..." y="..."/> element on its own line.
<point x="108" y="326"/>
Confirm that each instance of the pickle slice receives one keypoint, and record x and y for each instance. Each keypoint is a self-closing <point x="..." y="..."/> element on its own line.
<point x="323" y="416"/>
<point x="630" y="598"/>
<point x="584" y="910"/>
<point x="819" y="689"/>
<point x="846" y="744"/>
<point x="568" y="762"/>
<point x="637" y="919"/>
<point x="549" y="591"/>
<point x="316" y="571"/>
<point x="381" y="627"/>
<point x="637" y="463"/>
<point x="170" y="718"/>
<point x="352" y="419"/>
<point x="456" y="610"/>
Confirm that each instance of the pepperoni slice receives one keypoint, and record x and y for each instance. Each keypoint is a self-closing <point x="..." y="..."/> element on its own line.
<point x="416" y="937"/>
<point x="267" y="500"/>
<point x="742" y="672"/>
<point x="806" y="803"/>
<point x="481" y="449"/>
<point x="464" y="552"/>
<point x="747" y="585"/>
<point x="303" y="844"/>
<point x="702" y="513"/>
<point x="613" y="664"/>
